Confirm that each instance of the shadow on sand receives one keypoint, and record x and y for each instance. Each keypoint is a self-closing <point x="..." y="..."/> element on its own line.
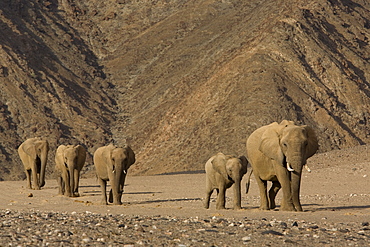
<point x="163" y="201"/>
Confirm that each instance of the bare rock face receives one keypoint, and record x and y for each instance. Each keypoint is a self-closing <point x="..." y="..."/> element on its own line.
<point x="180" y="80"/>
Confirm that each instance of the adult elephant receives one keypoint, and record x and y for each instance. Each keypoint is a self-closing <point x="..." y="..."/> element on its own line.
<point x="34" y="154"/>
<point x="111" y="164"/>
<point x="69" y="161"/>
<point x="277" y="153"/>
<point x="223" y="171"/>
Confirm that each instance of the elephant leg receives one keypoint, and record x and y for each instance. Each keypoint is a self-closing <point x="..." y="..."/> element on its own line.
<point x="110" y="197"/>
<point x="220" y="202"/>
<point x="103" y="186"/>
<point x="262" y="185"/>
<point x="272" y="193"/>
<point x="115" y="193"/>
<point x="35" y="179"/>
<point x="121" y="186"/>
<point x="28" y="174"/>
<point x="283" y="177"/>
<point x="67" y="187"/>
<point x="115" y="198"/>
<point x="60" y="185"/>
<point x="77" y="181"/>
<point x="63" y="186"/>
<point x="209" y="191"/>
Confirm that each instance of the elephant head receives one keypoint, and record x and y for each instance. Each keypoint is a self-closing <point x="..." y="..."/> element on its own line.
<point x="34" y="154"/>
<point x="232" y="169"/>
<point x="290" y="146"/>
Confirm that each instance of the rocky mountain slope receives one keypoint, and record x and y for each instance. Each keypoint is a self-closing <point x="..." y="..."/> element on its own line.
<point x="180" y="80"/>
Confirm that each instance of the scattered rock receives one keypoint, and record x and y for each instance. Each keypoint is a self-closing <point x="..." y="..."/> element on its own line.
<point x="272" y="232"/>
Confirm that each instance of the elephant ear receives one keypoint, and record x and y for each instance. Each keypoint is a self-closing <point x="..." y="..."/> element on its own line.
<point x="219" y="165"/>
<point x="270" y="143"/>
<point x="312" y="144"/>
<point x="61" y="149"/>
<point x="131" y="156"/>
<point x="30" y="149"/>
<point x="244" y="163"/>
<point x="107" y="155"/>
<point x="81" y="154"/>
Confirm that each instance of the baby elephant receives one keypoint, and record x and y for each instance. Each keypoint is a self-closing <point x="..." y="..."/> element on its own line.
<point x="222" y="171"/>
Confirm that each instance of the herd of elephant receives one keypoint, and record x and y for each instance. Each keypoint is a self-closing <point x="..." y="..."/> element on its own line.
<point x="111" y="164"/>
<point x="276" y="152"/>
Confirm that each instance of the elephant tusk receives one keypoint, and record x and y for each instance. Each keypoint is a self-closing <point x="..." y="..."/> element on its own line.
<point x="307" y="168"/>
<point x="289" y="167"/>
<point x="114" y="171"/>
<point x="124" y="172"/>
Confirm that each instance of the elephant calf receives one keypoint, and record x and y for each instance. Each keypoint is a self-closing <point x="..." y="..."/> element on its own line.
<point x="222" y="171"/>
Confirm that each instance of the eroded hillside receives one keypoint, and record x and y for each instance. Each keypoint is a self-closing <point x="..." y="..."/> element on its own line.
<point x="181" y="80"/>
<point x="51" y="84"/>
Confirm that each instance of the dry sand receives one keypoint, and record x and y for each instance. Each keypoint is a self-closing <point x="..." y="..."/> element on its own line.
<point x="335" y="198"/>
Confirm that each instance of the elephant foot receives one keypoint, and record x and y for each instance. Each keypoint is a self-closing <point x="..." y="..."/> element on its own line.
<point x="299" y="209"/>
<point x="264" y="208"/>
<point x="220" y="208"/>
<point x="288" y="208"/>
<point x="237" y="208"/>
<point x="36" y="188"/>
<point x="117" y="203"/>
<point x="76" y="194"/>
<point x="68" y="194"/>
<point x="103" y="202"/>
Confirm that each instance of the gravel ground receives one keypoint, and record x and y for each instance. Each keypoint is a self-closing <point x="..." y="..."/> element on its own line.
<point x="91" y="229"/>
<point x="166" y="210"/>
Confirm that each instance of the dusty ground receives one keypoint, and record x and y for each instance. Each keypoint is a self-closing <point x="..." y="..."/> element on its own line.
<point x="167" y="210"/>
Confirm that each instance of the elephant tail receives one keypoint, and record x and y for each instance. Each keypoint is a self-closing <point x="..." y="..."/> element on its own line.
<point x="249" y="174"/>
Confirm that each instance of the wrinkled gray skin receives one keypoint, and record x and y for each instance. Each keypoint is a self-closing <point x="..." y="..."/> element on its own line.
<point x="277" y="153"/>
<point x="69" y="161"/>
<point x="111" y="164"/>
<point x="34" y="154"/>
<point x="223" y="171"/>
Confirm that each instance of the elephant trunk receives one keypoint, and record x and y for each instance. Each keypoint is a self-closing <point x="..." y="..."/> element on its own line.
<point x="237" y="194"/>
<point x="295" y="188"/>
<point x="71" y="180"/>
<point x="116" y="191"/>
